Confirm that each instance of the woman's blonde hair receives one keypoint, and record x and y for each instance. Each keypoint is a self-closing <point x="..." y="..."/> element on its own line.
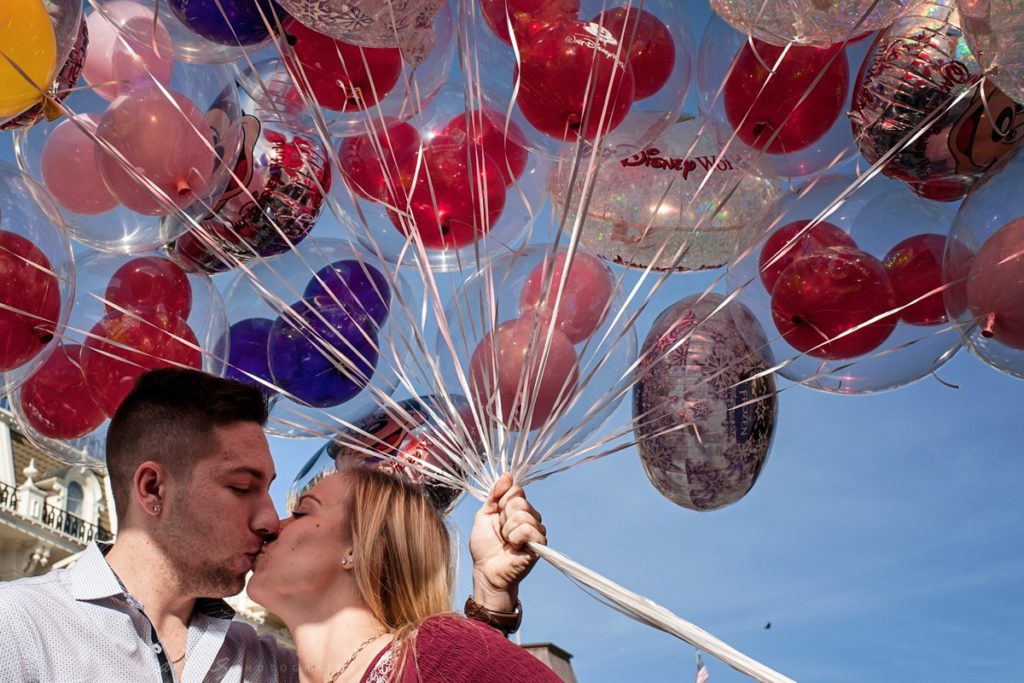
<point x="404" y="566"/>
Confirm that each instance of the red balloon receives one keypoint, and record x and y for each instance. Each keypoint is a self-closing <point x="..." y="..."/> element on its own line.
<point x="567" y="72"/>
<point x="510" y="156"/>
<point x="819" y="237"/>
<point x="652" y="52"/>
<point x="56" y="401"/>
<point x="449" y="209"/>
<point x="782" y="106"/>
<point x="341" y="76"/>
<point x="584" y="301"/>
<point x="543" y="386"/>
<point x="950" y="189"/>
<point x="370" y="167"/>
<point x="122" y="346"/>
<point x="915" y="268"/>
<point x="150" y="283"/>
<point x="29" y="301"/>
<point x="827" y="292"/>
<point x="994" y="285"/>
<point x="528" y="17"/>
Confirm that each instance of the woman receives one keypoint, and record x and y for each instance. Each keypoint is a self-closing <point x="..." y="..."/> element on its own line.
<point x="362" y="575"/>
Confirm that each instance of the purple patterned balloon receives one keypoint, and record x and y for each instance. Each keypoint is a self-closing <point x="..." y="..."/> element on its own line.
<point x="301" y="364"/>
<point x="704" y="426"/>
<point x="356" y="286"/>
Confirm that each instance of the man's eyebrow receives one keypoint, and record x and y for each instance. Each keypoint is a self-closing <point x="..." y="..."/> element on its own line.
<point x="245" y="469"/>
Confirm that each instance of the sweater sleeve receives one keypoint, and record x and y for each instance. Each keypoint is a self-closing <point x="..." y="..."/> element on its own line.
<point x="453" y="649"/>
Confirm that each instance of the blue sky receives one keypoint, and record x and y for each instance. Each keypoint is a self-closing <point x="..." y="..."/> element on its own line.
<point x="883" y="540"/>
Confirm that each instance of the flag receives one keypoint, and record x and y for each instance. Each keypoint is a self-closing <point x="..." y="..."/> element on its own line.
<point x="702" y="671"/>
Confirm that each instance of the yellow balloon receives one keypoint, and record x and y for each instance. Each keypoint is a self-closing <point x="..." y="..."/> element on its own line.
<point x="28" y="40"/>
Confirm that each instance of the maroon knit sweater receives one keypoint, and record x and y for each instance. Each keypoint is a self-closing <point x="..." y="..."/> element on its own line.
<point x="452" y="649"/>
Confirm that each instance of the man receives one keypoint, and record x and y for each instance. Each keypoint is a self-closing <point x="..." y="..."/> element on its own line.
<point x="190" y="470"/>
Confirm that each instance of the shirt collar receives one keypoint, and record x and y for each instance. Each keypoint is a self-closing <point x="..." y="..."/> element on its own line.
<point x="91" y="578"/>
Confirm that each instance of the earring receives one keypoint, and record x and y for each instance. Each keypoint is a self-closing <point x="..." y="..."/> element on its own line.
<point x="156" y="508"/>
<point x="344" y="561"/>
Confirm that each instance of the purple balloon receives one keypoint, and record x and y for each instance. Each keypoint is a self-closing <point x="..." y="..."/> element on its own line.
<point x="228" y="22"/>
<point x="355" y="286"/>
<point x="248" y="351"/>
<point x="301" y="365"/>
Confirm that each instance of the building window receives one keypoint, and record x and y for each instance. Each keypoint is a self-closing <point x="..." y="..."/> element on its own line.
<point x="75" y="496"/>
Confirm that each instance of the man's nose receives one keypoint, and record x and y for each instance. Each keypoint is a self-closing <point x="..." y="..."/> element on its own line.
<point x="266" y="523"/>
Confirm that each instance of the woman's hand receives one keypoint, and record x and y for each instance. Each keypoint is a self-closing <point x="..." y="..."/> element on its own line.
<point x="501" y="529"/>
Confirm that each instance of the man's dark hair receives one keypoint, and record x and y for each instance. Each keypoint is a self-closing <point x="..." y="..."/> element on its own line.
<point x="169" y="418"/>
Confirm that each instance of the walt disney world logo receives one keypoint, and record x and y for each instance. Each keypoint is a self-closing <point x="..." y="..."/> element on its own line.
<point x="651" y="158"/>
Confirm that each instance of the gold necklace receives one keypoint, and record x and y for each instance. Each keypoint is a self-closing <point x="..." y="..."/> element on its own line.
<point x="348" y="663"/>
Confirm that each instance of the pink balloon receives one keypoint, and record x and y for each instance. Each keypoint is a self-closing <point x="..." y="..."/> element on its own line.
<point x="584" y="301"/>
<point x="115" y="56"/>
<point x="70" y="171"/>
<point x="994" y="285"/>
<point x="518" y="362"/>
<point x="167" y="142"/>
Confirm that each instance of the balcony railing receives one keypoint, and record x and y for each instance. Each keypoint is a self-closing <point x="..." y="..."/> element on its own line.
<point x="8" y="497"/>
<point x="72" y="525"/>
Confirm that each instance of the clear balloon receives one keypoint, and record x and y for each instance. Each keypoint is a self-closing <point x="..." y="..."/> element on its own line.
<point x="642" y="61"/>
<point x="704" y="421"/>
<point x="37" y="276"/>
<point x="196" y="31"/>
<point x="809" y="22"/>
<point x="914" y="70"/>
<point x="55" y="401"/>
<point x="370" y="23"/>
<point x="582" y="305"/>
<point x="676" y="205"/>
<point x="436" y="189"/>
<point x="119" y="57"/>
<point x="165" y="140"/>
<point x="406" y="439"/>
<point x="983" y="268"/>
<point x="334" y="345"/>
<point x="522" y="372"/>
<point x="69" y="170"/>
<point x="767" y="107"/>
<point x="994" y="31"/>
<point x="165" y="157"/>
<point x="348" y="84"/>
<point x="848" y="284"/>
<point x="126" y="318"/>
<point x="272" y="201"/>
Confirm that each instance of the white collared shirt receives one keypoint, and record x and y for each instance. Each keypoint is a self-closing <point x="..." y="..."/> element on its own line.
<point x="79" y="625"/>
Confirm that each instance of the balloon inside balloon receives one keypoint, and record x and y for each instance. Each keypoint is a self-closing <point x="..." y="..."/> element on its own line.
<point x="831" y="292"/>
<point x="322" y="354"/>
<point x="122" y="346"/>
<point x="573" y="84"/>
<point x="150" y="283"/>
<point x="29" y="301"/>
<point x="229" y="22"/>
<point x="248" y="352"/>
<point x="994" y="285"/>
<point x="915" y="269"/>
<point x="56" y="401"/>
<point x="652" y="50"/>
<point x="584" y="300"/>
<point x="783" y="107"/>
<point x="356" y="286"/>
<point x="784" y="247"/>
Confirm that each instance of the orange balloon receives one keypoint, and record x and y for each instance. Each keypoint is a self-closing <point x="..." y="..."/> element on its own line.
<point x="27" y="39"/>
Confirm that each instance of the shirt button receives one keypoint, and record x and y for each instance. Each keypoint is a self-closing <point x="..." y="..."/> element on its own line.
<point x="157" y="649"/>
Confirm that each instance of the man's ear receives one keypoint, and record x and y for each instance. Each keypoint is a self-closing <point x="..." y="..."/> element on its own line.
<point x="149" y="487"/>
